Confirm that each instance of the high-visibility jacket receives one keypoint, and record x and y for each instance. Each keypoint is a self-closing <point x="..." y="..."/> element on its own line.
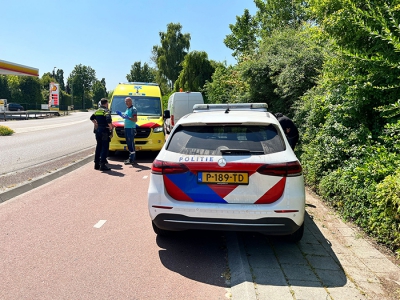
<point x="102" y="116"/>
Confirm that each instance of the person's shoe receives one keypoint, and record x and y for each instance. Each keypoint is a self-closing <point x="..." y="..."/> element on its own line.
<point x="97" y="166"/>
<point x="104" y="167"/>
<point x="106" y="161"/>
<point x="129" y="162"/>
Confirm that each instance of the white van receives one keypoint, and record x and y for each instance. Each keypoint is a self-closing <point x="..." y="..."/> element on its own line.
<point x="179" y="105"/>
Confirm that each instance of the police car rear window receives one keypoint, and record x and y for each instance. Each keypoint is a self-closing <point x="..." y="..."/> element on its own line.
<point x="229" y="140"/>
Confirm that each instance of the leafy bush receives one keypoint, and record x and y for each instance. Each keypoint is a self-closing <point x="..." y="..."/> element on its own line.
<point x="4" y="130"/>
<point x="366" y="192"/>
<point x="387" y="223"/>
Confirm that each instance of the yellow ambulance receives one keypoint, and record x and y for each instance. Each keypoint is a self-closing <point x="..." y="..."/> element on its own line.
<point x="146" y="97"/>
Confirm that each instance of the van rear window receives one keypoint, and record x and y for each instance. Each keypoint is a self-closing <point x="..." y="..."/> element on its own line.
<point x="214" y="140"/>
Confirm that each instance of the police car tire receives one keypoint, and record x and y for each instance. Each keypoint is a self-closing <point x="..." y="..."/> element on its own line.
<point x="296" y="236"/>
<point x="161" y="232"/>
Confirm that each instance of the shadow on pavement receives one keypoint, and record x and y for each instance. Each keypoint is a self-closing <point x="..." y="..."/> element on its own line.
<point x="200" y="255"/>
<point x="309" y="263"/>
<point x="116" y="161"/>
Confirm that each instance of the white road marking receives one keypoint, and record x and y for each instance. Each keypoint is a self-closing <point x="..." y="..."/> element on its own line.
<point x="30" y="129"/>
<point x="145" y="177"/>
<point x="100" y="223"/>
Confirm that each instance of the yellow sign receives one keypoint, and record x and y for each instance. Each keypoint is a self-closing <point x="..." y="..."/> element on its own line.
<point x="54" y="96"/>
<point x="223" y="177"/>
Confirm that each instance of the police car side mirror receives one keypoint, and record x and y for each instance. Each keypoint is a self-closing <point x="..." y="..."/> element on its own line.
<point x="167" y="114"/>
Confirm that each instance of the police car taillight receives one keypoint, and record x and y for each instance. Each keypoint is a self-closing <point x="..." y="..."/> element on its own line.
<point x="164" y="167"/>
<point x="288" y="169"/>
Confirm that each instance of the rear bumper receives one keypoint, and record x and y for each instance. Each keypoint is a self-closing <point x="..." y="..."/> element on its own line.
<point x="271" y="226"/>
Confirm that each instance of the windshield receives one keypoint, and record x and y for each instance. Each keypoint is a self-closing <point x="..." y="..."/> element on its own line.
<point x="146" y="106"/>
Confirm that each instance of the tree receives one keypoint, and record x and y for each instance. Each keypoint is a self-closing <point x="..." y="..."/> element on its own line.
<point x="5" y="92"/>
<point x="278" y="14"/>
<point x="285" y="67"/>
<point x="197" y="69"/>
<point x="141" y="74"/>
<point x="99" y="91"/>
<point x="244" y="35"/>
<point x="59" y="77"/>
<point x="226" y="86"/>
<point x="169" y="56"/>
<point x="81" y="80"/>
<point x="103" y="82"/>
<point x="31" y="91"/>
<point x="13" y="84"/>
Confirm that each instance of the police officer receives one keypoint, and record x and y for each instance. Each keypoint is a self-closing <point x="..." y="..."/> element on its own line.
<point x="290" y="129"/>
<point x="103" y="129"/>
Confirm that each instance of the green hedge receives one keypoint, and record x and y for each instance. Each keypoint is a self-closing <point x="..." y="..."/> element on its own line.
<point x="366" y="190"/>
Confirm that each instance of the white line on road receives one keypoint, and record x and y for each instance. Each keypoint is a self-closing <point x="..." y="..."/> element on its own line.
<point x="100" y="223"/>
<point x="30" y="129"/>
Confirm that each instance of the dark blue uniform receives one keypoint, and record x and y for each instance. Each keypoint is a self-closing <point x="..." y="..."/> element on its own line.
<point x="103" y="117"/>
<point x="290" y="129"/>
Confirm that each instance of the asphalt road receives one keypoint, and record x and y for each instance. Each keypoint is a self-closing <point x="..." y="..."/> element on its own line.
<point x="87" y="235"/>
<point x="41" y="147"/>
<point x="42" y="140"/>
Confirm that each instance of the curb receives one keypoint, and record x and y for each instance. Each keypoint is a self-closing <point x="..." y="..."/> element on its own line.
<point x="43" y="180"/>
<point x="242" y="286"/>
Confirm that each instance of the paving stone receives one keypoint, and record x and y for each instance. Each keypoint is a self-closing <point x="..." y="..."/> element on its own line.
<point x="271" y="292"/>
<point x="381" y="265"/>
<point x="323" y="262"/>
<point x="303" y="273"/>
<point x="269" y="261"/>
<point x="303" y="291"/>
<point x="361" y="273"/>
<point x="264" y="276"/>
<point x="349" y="292"/>
<point x="314" y="249"/>
<point x="332" y="278"/>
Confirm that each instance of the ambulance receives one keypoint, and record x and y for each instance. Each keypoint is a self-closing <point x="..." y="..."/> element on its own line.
<point x="146" y="97"/>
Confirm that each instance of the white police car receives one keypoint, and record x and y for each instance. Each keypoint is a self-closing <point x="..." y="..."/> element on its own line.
<point x="228" y="167"/>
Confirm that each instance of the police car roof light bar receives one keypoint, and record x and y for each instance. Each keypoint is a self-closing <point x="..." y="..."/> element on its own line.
<point x="230" y="106"/>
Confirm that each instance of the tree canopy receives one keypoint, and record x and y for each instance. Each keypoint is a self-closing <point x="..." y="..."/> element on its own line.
<point x="244" y="35"/>
<point x="197" y="69"/>
<point x="141" y="74"/>
<point x="170" y="54"/>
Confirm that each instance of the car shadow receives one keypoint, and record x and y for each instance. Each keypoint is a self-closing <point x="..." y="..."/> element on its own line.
<point x="202" y="256"/>
<point x="309" y="263"/>
<point x="198" y="255"/>
<point x="116" y="161"/>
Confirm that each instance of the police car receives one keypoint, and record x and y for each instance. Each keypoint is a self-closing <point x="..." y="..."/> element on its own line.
<point x="227" y="167"/>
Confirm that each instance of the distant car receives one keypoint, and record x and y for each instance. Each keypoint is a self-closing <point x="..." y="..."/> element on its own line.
<point x="227" y="167"/>
<point x="15" y="107"/>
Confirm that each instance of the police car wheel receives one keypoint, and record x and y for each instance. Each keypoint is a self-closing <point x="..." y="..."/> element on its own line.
<point x="161" y="232"/>
<point x="296" y="236"/>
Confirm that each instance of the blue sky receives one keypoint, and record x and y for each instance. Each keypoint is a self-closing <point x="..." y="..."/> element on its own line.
<point x="110" y="36"/>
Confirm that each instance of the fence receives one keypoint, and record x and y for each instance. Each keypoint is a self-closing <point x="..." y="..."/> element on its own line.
<point x="25" y="115"/>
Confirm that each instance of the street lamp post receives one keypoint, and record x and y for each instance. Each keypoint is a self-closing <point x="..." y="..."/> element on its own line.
<point x="54" y="74"/>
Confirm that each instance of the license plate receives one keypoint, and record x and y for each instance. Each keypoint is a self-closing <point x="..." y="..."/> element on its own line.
<point x="223" y="177"/>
